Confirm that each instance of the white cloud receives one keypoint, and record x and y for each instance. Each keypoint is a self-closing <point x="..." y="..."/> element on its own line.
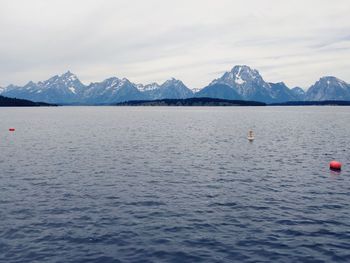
<point x="194" y="40"/>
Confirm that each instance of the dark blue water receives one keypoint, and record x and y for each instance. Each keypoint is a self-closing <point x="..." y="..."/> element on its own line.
<point x="111" y="184"/>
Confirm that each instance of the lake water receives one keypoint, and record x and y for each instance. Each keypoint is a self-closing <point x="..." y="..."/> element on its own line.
<point x="163" y="184"/>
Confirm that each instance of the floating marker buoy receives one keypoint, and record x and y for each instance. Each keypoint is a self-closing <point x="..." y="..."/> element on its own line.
<point x="12" y="129"/>
<point x="250" y="136"/>
<point x="334" y="165"/>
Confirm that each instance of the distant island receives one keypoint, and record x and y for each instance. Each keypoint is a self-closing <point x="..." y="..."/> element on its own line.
<point x="13" y="102"/>
<point x="191" y="102"/>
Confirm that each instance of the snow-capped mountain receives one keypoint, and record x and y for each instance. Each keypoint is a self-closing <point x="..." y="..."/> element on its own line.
<point x="67" y="89"/>
<point x="241" y="83"/>
<point x="247" y="83"/>
<point x="170" y="89"/>
<point x="59" y="89"/>
<point x="111" y="90"/>
<point x="114" y="90"/>
<point x="328" y="88"/>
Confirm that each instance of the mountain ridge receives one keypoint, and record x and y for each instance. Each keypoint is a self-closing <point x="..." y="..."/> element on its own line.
<point x="240" y="83"/>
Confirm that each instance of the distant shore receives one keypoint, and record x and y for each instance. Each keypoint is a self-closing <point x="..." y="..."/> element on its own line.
<point x="313" y="103"/>
<point x="191" y="102"/>
<point x="223" y="102"/>
<point x="14" y="102"/>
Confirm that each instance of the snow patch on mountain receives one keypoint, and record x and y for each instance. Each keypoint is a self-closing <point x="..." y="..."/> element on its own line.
<point x="148" y="87"/>
<point x="72" y="89"/>
<point x="239" y="80"/>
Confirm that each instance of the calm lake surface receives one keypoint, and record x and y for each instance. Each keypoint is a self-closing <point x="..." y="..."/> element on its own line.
<point x="163" y="184"/>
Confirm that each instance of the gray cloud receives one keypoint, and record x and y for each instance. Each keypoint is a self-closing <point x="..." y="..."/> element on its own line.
<point x="194" y="40"/>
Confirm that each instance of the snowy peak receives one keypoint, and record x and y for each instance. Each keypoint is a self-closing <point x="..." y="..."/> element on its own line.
<point x="125" y="81"/>
<point x="239" y="75"/>
<point x="110" y="82"/>
<point x="68" y="77"/>
<point x="243" y="73"/>
<point x="332" y="81"/>
<point x="247" y="82"/>
<point x="173" y="82"/>
<point x="329" y="88"/>
<point x="66" y="80"/>
<point x="68" y="74"/>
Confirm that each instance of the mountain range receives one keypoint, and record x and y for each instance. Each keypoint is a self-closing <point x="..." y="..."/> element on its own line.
<point x="241" y="83"/>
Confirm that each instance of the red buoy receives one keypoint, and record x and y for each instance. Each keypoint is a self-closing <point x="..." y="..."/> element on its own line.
<point x="12" y="129"/>
<point x="334" y="165"/>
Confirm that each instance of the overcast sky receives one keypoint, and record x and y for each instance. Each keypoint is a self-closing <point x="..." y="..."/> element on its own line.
<point x="193" y="40"/>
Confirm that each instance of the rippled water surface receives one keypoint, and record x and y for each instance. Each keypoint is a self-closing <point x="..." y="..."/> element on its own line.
<point x="162" y="184"/>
